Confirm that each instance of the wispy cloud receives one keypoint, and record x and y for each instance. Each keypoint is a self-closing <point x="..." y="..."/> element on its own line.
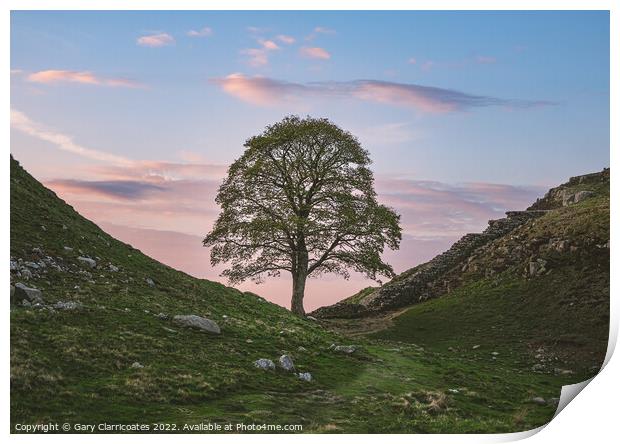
<point x="319" y="30"/>
<point x="123" y="189"/>
<point x="21" y="122"/>
<point x="260" y="56"/>
<point x="203" y="32"/>
<point x="485" y="60"/>
<point x="86" y="77"/>
<point x="314" y="53"/>
<point x="155" y="40"/>
<point x="287" y="39"/>
<point x="267" y="92"/>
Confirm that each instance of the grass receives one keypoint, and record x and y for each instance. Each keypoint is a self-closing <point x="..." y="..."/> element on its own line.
<point x="77" y="366"/>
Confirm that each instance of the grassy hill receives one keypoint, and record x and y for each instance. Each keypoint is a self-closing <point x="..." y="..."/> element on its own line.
<point x="119" y="358"/>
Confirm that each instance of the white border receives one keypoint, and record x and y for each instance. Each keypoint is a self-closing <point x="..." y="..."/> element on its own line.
<point x="591" y="417"/>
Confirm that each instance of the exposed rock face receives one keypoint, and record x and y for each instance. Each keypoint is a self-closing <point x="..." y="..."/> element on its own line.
<point x="24" y="293"/>
<point x="424" y="282"/>
<point x="505" y="243"/>
<point x="198" y="322"/>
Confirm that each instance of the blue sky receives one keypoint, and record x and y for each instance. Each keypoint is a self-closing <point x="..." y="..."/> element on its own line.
<point x="443" y="100"/>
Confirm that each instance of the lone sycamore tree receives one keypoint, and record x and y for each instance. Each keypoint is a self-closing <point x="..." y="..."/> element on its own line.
<point x="301" y="199"/>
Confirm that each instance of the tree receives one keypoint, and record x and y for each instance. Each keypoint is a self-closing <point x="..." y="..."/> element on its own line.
<point x="301" y="199"/>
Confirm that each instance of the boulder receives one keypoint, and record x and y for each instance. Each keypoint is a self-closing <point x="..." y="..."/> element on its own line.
<point x="198" y="322"/>
<point x="264" y="364"/>
<point x="348" y="349"/>
<point x="537" y="267"/>
<point x="137" y="365"/>
<point x="88" y="261"/>
<point x="32" y="295"/>
<point x="113" y="268"/>
<point x="305" y="376"/>
<point x="68" y="306"/>
<point x="286" y="362"/>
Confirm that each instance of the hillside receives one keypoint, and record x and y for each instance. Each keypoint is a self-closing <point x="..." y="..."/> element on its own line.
<point x="102" y="346"/>
<point x="538" y="279"/>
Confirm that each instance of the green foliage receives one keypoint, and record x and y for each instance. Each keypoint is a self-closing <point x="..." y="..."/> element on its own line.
<point x="301" y="199"/>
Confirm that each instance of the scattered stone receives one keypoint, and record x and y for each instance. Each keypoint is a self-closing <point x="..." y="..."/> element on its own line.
<point x="113" y="268"/>
<point x="305" y="376"/>
<point x="169" y="330"/>
<point x="560" y="371"/>
<point x="286" y="362"/>
<point x="224" y="317"/>
<point x="14" y="266"/>
<point x="32" y="265"/>
<point x="199" y="322"/>
<point x="553" y="401"/>
<point x="538" y="400"/>
<point x="67" y="248"/>
<point x="23" y="292"/>
<point x="68" y="306"/>
<point x="163" y="316"/>
<point x="495" y="353"/>
<point x="25" y="273"/>
<point x="150" y="282"/>
<point x="348" y="349"/>
<point x="538" y="367"/>
<point x="249" y="341"/>
<point x="88" y="261"/>
<point x="264" y="364"/>
<point x="311" y="318"/>
<point x="137" y="365"/>
<point x="475" y="347"/>
<point x="301" y="349"/>
<point x="454" y="391"/>
<point x="537" y="267"/>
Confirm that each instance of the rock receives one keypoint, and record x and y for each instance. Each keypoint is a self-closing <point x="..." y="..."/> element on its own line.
<point x="150" y="282"/>
<point x="264" y="364"/>
<point x="113" y="268"/>
<point x="453" y="391"/>
<point x="311" y="318"/>
<point x="495" y="353"/>
<point x="163" y="316"/>
<point x="475" y="347"/>
<point x="305" y="376"/>
<point x="31" y="295"/>
<point x="537" y="267"/>
<point x="301" y="349"/>
<point x="14" y="266"/>
<point x="553" y="401"/>
<point x="559" y="371"/>
<point x="538" y="367"/>
<point x="137" y="365"/>
<point x="348" y="349"/>
<point x="25" y="273"/>
<point x="68" y="306"/>
<point x="569" y="198"/>
<point x="199" y="322"/>
<point x="538" y="400"/>
<point x="88" y="261"/>
<point x="32" y="265"/>
<point x="67" y="248"/>
<point x="286" y="362"/>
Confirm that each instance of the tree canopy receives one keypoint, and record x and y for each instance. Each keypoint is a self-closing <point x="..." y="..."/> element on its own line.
<point x="301" y="199"/>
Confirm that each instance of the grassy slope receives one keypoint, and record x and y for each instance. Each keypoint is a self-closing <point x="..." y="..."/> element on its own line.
<point x="76" y="366"/>
<point x="565" y="311"/>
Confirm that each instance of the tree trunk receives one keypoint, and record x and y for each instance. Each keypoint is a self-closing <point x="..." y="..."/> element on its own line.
<point x="299" y="286"/>
<point x="300" y="273"/>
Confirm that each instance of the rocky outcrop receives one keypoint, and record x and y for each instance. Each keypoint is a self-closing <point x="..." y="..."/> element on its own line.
<point x="425" y="281"/>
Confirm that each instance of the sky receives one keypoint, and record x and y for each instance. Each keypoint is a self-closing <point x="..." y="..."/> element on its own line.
<point x="133" y="117"/>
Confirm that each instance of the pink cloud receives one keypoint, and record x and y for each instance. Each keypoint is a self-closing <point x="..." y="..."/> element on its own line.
<point x="204" y="32"/>
<point x="268" y="92"/>
<point x="155" y="40"/>
<point x="315" y="53"/>
<point x="412" y="61"/>
<point x="260" y="56"/>
<point x="85" y="77"/>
